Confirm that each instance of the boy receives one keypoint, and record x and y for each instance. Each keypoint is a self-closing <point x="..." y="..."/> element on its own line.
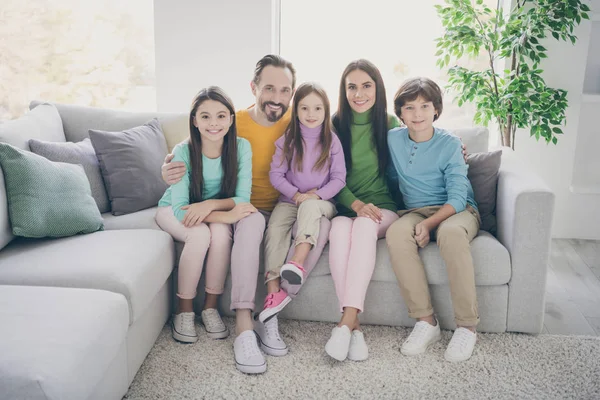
<point x="428" y="166"/>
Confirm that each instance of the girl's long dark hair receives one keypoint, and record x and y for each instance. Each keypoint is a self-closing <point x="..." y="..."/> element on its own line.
<point x="293" y="137"/>
<point x="229" y="160"/>
<point x="343" y="117"/>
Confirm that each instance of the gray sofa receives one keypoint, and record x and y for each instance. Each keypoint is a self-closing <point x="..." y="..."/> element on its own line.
<point x="115" y="287"/>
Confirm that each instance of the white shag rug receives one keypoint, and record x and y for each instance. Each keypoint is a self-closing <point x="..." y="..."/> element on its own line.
<point x="503" y="366"/>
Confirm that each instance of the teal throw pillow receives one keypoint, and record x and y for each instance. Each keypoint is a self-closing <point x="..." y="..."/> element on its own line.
<point x="45" y="198"/>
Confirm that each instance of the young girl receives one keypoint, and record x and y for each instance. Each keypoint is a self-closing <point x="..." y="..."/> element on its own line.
<point x="308" y="169"/>
<point x="365" y="205"/>
<point x="200" y="210"/>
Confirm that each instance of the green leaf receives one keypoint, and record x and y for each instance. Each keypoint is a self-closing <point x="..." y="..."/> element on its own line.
<point x="557" y="130"/>
<point x="554" y="140"/>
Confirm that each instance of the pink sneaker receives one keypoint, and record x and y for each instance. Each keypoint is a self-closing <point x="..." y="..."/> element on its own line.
<point x="274" y="303"/>
<point x="293" y="273"/>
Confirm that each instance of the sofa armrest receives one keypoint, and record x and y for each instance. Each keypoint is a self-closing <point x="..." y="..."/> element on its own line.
<point x="524" y="212"/>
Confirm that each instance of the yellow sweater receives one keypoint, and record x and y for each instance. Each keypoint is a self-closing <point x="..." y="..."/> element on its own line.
<point x="262" y="139"/>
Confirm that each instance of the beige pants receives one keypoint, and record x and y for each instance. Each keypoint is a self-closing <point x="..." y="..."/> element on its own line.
<point x="279" y="230"/>
<point x="453" y="238"/>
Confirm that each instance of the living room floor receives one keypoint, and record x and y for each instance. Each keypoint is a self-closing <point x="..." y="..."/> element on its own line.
<point x="573" y="288"/>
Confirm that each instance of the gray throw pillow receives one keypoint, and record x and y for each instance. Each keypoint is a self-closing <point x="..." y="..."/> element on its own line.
<point x="130" y="162"/>
<point x="76" y="153"/>
<point x="483" y="174"/>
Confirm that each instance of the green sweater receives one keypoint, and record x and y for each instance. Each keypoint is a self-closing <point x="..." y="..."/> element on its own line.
<point x="364" y="182"/>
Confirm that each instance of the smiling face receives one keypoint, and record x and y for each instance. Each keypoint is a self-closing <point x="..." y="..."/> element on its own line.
<point x="213" y="120"/>
<point x="418" y="115"/>
<point x="360" y="91"/>
<point x="311" y="110"/>
<point x="273" y="92"/>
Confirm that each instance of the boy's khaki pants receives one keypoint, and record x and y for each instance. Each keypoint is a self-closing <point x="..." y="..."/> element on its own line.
<point x="453" y="238"/>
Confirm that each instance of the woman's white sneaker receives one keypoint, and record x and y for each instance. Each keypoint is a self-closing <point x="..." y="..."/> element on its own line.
<point x="248" y="358"/>
<point x="422" y="336"/>
<point x="358" y="350"/>
<point x="338" y="344"/>
<point x="461" y="345"/>
<point x="213" y="324"/>
<point x="184" y="328"/>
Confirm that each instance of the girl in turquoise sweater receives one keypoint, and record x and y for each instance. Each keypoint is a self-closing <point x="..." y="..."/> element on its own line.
<point x="202" y="210"/>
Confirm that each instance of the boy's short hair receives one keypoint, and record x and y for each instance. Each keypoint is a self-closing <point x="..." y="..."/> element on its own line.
<point x="413" y="88"/>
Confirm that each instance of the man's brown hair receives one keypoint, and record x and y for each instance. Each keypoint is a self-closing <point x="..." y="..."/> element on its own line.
<point x="276" y="61"/>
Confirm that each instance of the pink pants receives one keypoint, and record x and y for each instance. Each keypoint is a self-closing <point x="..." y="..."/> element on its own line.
<point x="198" y="240"/>
<point x="352" y="250"/>
<point x="243" y="255"/>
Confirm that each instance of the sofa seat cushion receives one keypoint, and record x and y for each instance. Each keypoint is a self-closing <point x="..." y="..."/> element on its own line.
<point x="135" y="263"/>
<point x="57" y="343"/>
<point x="143" y="219"/>
<point x="491" y="259"/>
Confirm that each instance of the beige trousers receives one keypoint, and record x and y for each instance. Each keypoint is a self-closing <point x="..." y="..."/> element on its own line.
<point x="279" y="230"/>
<point x="454" y="236"/>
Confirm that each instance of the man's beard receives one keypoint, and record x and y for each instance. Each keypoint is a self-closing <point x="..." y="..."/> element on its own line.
<point x="272" y="115"/>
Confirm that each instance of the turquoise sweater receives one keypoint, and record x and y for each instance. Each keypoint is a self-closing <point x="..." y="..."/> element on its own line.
<point x="178" y="195"/>
<point x="431" y="173"/>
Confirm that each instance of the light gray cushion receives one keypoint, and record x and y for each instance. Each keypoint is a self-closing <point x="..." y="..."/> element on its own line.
<point x="130" y="162"/>
<point x="143" y="219"/>
<point x="483" y="174"/>
<point x="491" y="260"/>
<point x="57" y="343"/>
<point x="43" y="123"/>
<point x="45" y="198"/>
<point x="76" y="153"/>
<point x="134" y="263"/>
<point x="475" y="139"/>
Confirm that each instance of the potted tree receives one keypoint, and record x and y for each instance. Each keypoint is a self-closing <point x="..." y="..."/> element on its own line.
<point x="515" y="96"/>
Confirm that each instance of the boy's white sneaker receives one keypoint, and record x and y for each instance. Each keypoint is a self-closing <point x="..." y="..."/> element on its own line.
<point x="358" y="350"/>
<point x="422" y="336"/>
<point x="248" y="358"/>
<point x="183" y="327"/>
<point x="269" y="338"/>
<point x="461" y="345"/>
<point x="338" y="344"/>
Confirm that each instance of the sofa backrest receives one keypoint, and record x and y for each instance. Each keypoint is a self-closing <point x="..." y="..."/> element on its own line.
<point x="78" y="120"/>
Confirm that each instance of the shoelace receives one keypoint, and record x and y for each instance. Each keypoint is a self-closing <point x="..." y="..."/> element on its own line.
<point x="417" y="332"/>
<point x="272" y="329"/>
<point x="249" y="346"/>
<point x="187" y="322"/>
<point x="459" y="340"/>
<point x="213" y="321"/>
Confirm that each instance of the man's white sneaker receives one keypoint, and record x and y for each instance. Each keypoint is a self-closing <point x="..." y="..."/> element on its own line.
<point x="184" y="327"/>
<point x="422" y="336"/>
<point x="213" y="324"/>
<point x="358" y="350"/>
<point x="461" y="345"/>
<point x="338" y="344"/>
<point x="269" y="338"/>
<point x="248" y="358"/>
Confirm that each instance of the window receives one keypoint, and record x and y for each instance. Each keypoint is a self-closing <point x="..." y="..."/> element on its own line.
<point x="322" y="37"/>
<point x="88" y="53"/>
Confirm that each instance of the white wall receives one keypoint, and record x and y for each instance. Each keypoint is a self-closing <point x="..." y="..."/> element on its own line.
<point x="208" y="42"/>
<point x="577" y="215"/>
<point x="211" y="42"/>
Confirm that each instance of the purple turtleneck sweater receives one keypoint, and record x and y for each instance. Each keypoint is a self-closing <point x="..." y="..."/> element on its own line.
<point x="329" y="180"/>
